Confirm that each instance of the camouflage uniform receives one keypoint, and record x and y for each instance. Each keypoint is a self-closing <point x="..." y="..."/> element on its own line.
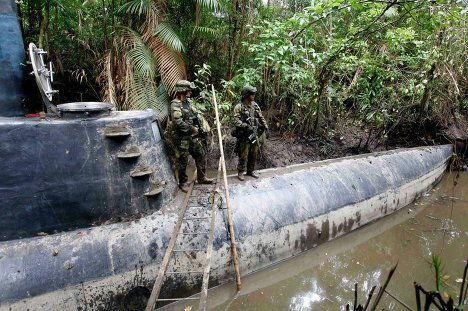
<point x="248" y="120"/>
<point x="182" y="114"/>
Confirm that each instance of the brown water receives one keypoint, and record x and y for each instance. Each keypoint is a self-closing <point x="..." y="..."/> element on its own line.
<point x="324" y="278"/>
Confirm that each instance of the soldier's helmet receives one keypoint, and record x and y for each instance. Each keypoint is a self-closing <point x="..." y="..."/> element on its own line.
<point x="248" y="90"/>
<point x="182" y="86"/>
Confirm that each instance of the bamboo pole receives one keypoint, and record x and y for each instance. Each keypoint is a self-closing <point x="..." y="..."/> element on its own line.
<point x="228" y="201"/>
<point x="164" y="264"/>
<point x="209" y="251"/>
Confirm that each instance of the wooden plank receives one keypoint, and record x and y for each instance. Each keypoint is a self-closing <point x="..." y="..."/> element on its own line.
<point x="228" y="200"/>
<point x="162" y="269"/>
<point x="180" y="272"/>
<point x="178" y="299"/>
<point x="197" y="218"/>
<point x="209" y="251"/>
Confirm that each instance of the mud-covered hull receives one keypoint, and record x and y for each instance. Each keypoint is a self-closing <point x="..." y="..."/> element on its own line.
<point x="78" y="174"/>
<point x="61" y="174"/>
<point x="285" y="212"/>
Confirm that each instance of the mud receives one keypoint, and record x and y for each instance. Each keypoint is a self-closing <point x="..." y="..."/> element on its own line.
<point x="347" y="138"/>
<point x="324" y="278"/>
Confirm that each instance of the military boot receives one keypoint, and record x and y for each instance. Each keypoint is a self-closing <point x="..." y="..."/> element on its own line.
<point x="205" y="181"/>
<point x="240" y="175"/>
<point x="184" y="187"/>
<point x="253" y="174"/>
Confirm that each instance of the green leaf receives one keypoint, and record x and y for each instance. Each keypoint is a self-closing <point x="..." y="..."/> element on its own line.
<point x="209" y="4"/>
<point x="206" y="31"/>
<point x="136" y="7"/>
<point x="167" y="35"/>
<point x="139" y="54"/>
<point x="356" y="5"/>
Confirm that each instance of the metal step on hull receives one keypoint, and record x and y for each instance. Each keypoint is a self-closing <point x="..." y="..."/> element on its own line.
<point x="286" y="212"/>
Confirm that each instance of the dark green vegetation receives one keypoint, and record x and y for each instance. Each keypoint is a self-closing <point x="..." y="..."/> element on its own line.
<point x="436" y="298"/>
<point x="423" y="297"/>
<point x="397" y="68"/>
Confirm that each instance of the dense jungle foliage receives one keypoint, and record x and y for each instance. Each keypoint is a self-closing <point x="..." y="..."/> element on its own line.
<point x="386" y="65"/>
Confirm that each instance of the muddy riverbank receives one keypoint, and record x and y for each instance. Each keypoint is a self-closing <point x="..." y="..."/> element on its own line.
<point x="348" y="138"/>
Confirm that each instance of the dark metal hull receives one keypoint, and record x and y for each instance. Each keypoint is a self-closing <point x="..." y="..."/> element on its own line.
<point x="287" y="211"/>
<point x="84" y="223"/>
<point x="12" y="60"/>
<point x="58" y="175"/>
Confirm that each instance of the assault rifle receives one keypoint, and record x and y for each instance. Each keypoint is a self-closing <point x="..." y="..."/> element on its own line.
<point x="253" y="134"/>
<point x="253" y="137"/>
<point x="201" y="131"/>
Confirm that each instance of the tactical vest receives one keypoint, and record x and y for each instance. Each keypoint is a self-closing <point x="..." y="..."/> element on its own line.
<point x="251" y="112"/>
<point x="187" y="111"/>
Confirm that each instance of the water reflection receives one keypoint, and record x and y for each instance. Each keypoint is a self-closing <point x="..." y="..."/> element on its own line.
<point x="305" y="301"/>
<point x="324" y="278"/>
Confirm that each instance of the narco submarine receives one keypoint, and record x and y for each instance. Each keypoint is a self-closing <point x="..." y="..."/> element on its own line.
<point x="89" y="201"/>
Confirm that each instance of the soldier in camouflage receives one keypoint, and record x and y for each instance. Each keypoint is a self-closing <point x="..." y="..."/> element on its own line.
<point x="186" y="135"/>
<point x="250" y="127"/>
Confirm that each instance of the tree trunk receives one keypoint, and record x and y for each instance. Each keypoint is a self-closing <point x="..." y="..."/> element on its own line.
<point x="30" y="26"/>
<point x="232" y="45"/>
<point x="34" y="15"/>
<point x="56" y="18"/>
<point x="104" y="15"/>
<point x="113" y="12"/>
<point x="323" y="77"/>
<point x="44" y="25"/>
<point x="424" y="104"/>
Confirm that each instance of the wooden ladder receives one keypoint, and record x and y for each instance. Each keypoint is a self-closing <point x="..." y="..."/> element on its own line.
<point x="185" y="216"/>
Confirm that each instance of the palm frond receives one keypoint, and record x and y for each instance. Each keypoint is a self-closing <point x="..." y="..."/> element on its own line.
<point x="109" y="94"/>
<point x="169" y="62"/>
<point x="152" y="19"/>
<point x="138" y="53"/>
<point x="162" y="94"/>
<point x="139" y="57"/>
<point x="209" y="4"/>
<point x="167" y="35"/>
<point x="146" y="94"/>
<point x="136" y="7"/>
<point x="142" y="93"/>
<point x="206" y="31"/>
<point x="127" y="86"/>
<point x="164" y="101"/>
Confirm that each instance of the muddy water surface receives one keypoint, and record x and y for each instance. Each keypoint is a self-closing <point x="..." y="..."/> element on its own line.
<point x="324" y="278"/>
